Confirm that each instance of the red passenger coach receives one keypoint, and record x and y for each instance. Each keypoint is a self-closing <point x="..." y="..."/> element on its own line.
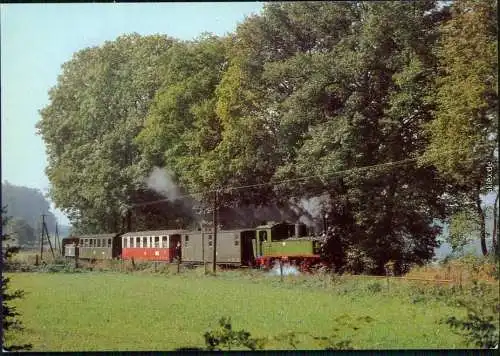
<point x="151" y="245"/>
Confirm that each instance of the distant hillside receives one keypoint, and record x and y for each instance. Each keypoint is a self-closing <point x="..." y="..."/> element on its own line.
<point x="29" y="204"/>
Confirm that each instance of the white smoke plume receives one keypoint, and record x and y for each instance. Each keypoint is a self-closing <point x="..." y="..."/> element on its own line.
<point x="315" y="205"/>
<point x="161" y="181"/>
<point x="304" y="219"/>
<point x="310" y="211"/>
<point x="288" y="270"/>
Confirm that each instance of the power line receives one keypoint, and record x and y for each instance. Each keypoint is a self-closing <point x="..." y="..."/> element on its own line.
<point x="321" y="176"/>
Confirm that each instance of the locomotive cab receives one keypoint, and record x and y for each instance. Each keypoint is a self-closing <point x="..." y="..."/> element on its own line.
<point x="285" y="241"/>
<point x="270" y="233"/>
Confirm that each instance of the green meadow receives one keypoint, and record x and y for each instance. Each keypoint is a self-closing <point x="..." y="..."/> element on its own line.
<point x="144" y="311"/>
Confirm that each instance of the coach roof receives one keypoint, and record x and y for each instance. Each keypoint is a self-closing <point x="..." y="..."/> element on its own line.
<point x="98" y="236"/>
<point x="156" y="233"/>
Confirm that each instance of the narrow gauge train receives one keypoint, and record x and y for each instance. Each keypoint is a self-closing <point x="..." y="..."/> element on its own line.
<point x="260" y="246"/>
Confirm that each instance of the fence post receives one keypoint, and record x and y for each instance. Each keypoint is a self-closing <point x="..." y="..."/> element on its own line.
<point x="281" y="270"/>
<point x="36" y="260"/>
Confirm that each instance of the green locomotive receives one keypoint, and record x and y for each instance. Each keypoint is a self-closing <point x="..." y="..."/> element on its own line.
<point x="286" y="241"/>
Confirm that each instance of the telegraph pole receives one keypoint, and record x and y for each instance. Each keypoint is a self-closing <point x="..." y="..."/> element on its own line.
<point x="41" y="243"/>
<point x="58" y="243"/>
<point x="214" y="262"/>
<point x="44" y="229"/>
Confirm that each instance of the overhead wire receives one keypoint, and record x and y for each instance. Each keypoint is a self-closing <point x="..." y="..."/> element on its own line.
<point x="298" y="179"/>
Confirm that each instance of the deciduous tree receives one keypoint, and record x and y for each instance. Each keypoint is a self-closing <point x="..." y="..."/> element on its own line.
<point x="466" y="100"/>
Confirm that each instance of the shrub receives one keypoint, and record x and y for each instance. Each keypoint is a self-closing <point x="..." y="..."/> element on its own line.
<point x="9" y="313"/>
<point x="358" y="262"/>
<point x="225" y="338"/>
<point x="480" y="325"/>
<point x="374" y="287"/>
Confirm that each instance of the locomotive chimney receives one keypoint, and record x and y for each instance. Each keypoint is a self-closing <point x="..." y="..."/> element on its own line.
<point x="297" y="230"/>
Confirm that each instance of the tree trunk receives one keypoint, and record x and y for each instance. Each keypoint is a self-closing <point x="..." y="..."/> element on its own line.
<point x="482" y="224"/>
<point x="495" y="222"/>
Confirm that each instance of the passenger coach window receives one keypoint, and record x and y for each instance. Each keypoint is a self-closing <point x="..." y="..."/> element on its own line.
<point x="132" y="242"/>
<point x="109" y="242"/>
<point x="263" y="235"/>
<point x="98" y="242"/>
<point x="186" y="240"/>
<point x="125" y="243"/>
<point x="209" y="240"/>
<point x="144" y="242"/>
<point x="164" y="242"/>
<point x="137" y="242"/>
<point x="157" y="241"/>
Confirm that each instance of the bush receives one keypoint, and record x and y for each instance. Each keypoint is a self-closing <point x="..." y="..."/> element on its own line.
<point x="374" y="287"/>
<point x="358" y="262"/>
<point x="480" y="326"/>
<point x="225" y="338"/>
<point x="10" y="315"/>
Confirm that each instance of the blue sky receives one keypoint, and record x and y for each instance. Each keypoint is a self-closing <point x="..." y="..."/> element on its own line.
<point x="36" y="39"/>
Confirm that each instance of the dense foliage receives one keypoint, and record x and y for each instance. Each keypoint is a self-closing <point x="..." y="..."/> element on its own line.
<point x="294" y="96"/>
<point x="480" y="326"/>
<point x="466" y="105"/>
<point x="10" y="321"/>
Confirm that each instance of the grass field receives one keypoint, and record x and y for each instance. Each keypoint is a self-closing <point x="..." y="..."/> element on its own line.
<point x="139" y="311"/>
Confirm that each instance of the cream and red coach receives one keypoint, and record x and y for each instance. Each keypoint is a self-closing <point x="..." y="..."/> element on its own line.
<point x="157" y="245"/>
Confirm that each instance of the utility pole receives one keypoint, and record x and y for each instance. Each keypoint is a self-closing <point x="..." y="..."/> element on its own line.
<point x="58" y="243"/>
<point x="214" y="262"/>
<point x="41" y="244"/>
<point x="44" y="228"/>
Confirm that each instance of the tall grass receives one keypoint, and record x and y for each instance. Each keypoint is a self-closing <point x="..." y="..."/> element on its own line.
<point x="141" y="311"/>
<point x="460" y="271"/>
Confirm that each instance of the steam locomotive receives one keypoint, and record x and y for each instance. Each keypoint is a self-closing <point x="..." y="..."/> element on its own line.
<point x="260" y="246"/>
